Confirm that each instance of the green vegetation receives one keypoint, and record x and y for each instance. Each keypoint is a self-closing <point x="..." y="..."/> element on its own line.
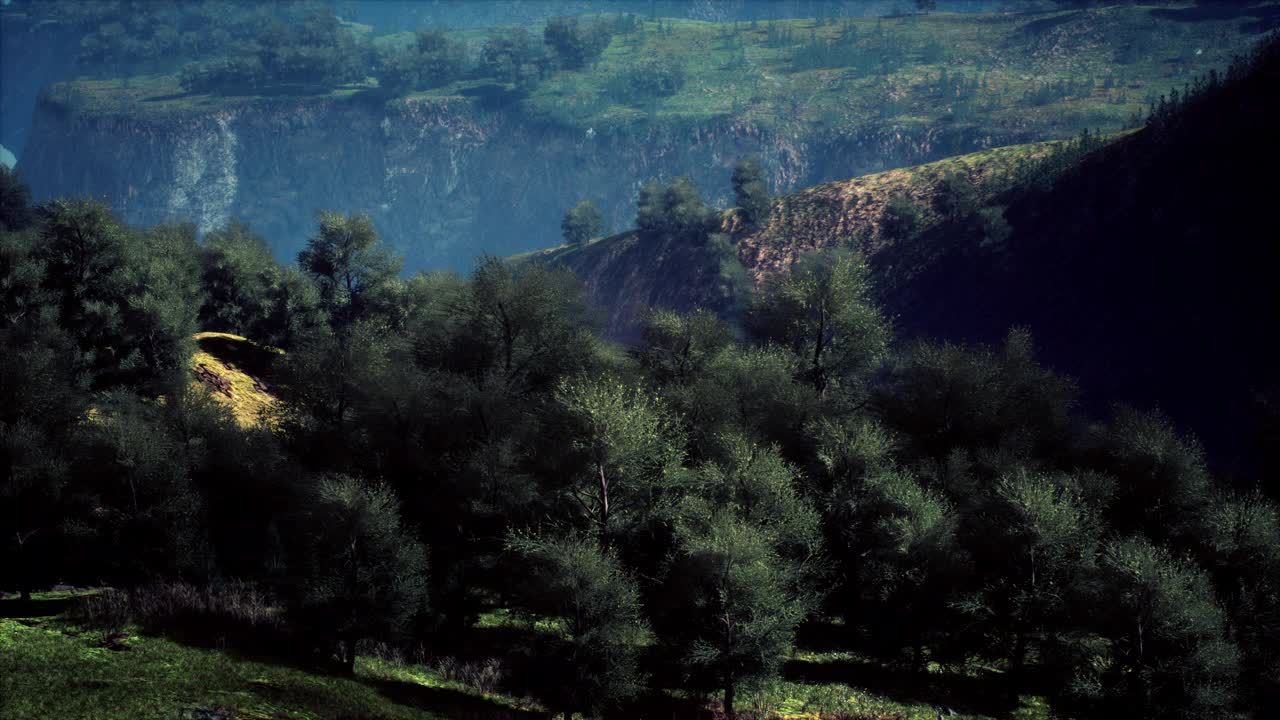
<point x="51" y="667"/>
<point x="801" y="515"/>
<point x="581" y="223"/>
<point x="999" y="74"/>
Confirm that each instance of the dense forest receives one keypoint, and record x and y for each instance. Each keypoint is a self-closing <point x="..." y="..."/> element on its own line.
<point x="1005" y="449"/>
<point x="656" y="525"/>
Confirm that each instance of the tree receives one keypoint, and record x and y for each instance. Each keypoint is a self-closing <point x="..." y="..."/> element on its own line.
<point x="15" y="202"/>
<point x="511" y="56"/>
<point x="822" y="311"/>
<point x="128" y="297"/>
<point x="648" y="80"/>
<point x="680" y="346"/>
<point x="751" y="192"/>
<point x="355" y="274"/>
<point x="759" y="487"/>
<point x="729" y="608"/>
<point x="630" y="451"/>
<point x="324" y="382"/>
<point x="1163" y="481"/>
<point x="1039" y="542"/>
<point x="134" y="514"/>
<point x="522" y="327"/>
<point x="675" y="211"/>
<point x="944" y="398"/>
<point x="581" y="223"/>
<point x="1241" y="547"/>
<point x="360" y="574"/>
<point x="293" y="310"/>
<point x="41" y="403"/>
<point x="900" y="218"/>
<point x="433" y="60"/>
<point x="897" y="542"/>
<point x="576" y="43"/>
<point x="238" y="274"/>
<point x="1169" y="655"/>
<point x="590" y="661"/>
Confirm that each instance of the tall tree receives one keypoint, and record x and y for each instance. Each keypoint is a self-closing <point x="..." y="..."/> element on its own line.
<point x="822" y="310"/>
<point x="355" y="274"/>
<point x="358" y="573"/>
<point x="238" y="274"/>
<point x="589" y="662"/>
<point x="630" y="452"/>
<point x="729" y="608"/>
<point x="751" y="192"/>
<point x="1169" y="655"/>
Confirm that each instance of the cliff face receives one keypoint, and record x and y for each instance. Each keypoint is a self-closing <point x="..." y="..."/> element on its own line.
<point x="444" y="179"/>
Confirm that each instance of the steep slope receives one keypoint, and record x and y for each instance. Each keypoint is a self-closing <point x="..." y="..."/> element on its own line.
<point x="628" y="273"/>
<point x="1148" y="270"/>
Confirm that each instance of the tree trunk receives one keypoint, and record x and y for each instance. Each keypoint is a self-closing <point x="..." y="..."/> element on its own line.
<point x="349" y="656"/>
<point x="728" y="700"/>
<point x="1017" y="666"/>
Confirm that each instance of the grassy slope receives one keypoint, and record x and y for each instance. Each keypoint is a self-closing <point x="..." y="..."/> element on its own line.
<point x="49" y="667"/>
<point x="847" y="213"/>
<point x="243" y="366"/>
<point x="733" y="72"/>
<point x="625" y="274"/>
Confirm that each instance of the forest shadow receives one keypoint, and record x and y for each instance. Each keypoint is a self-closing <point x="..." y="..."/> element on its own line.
<point x="11" y="608"/>
<point x="252" y="359"/>
<point x="978" y="694"/>
<point x="453" y="704"/>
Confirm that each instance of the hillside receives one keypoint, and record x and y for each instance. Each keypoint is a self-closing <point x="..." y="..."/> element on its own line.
<point x="626" y="274"/>
<point x="1156" y="247"/>
<point x="816" y="100"/>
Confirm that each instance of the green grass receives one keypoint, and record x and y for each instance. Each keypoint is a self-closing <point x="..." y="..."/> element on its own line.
<point x="50" y="668"/>
<point x="733" y="72"/>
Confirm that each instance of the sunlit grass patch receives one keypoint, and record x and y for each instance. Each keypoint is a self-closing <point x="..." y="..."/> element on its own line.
<point x="234" y="369"/>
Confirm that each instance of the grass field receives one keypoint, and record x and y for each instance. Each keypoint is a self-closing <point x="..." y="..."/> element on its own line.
<point x="50" y="667"/>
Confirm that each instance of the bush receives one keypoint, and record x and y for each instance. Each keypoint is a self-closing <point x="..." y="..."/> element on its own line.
<point x="575" y="43"/>
<point x="649" y="79"/>
<point x="236" y="614"/>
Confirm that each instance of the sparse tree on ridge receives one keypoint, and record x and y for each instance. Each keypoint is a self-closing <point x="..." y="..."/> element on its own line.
<point x="581" y="223"/>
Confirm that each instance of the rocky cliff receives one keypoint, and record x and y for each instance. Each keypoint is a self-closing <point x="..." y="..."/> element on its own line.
<point x="444" y="179"/>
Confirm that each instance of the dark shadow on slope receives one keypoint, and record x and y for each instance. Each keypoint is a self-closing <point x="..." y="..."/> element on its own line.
<point x="252" y="359"/>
